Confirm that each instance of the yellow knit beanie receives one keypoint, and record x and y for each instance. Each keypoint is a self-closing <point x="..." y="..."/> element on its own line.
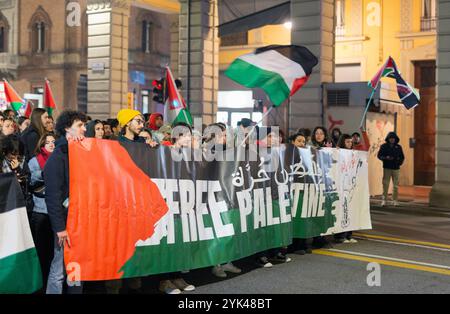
<point x="126" y="115"/>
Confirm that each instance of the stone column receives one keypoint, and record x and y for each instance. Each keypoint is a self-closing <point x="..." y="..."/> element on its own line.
<point x="312" y="27"/>
<point x="203" y="57"/>
<point x="107" y="57"/>
<point x="440" y="194"/>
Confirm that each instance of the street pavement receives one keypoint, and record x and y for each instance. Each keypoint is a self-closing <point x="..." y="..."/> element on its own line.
<point x="412" y="247"/>
<point x="410" y="244"/>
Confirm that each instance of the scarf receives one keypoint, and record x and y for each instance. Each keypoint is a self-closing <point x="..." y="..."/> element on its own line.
<point x="43" y="157"/>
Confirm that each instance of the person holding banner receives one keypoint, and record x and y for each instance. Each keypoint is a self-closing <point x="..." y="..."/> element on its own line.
<point x="70" y="126"/>
<point x="174" y="283"/>
<point x="132" y="123"/>
<point x="391" y="154"/>
<point x="345" y="142"/>
<point x="319" y="140"/>
<point x="299" y="246"/>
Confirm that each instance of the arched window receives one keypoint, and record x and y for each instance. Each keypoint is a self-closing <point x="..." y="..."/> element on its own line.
<point x="4" y="33"/>
<point x="40" y="27"/>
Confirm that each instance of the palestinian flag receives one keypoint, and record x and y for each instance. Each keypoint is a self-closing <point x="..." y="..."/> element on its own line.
<point x="175" y="109"/>
<point x="14" y="100"/>
<point x="28" y="110"/>
<point x="387" y="70"/>
<point x="20" y="271"/>
<point x="49" y="101"/>
<point x="408" y="95"/>
<point x="279" y="70"/>
<point x="112" y="208"/>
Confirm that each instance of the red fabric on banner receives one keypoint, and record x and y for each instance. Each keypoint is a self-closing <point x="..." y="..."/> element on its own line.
<point x="112" y="205"/>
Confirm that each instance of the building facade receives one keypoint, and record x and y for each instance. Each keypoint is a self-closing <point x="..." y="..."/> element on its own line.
<point x="49" y="39"/>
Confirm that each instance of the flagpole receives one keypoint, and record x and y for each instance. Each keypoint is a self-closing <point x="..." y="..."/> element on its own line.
<point x="367" y="107"/>
<point x="254" y="127"/>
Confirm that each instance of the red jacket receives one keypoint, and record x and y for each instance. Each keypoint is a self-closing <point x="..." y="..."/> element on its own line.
<point x="364" y="145"/>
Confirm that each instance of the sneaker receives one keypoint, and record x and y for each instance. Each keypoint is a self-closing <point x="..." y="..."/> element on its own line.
<point x="353" y="240"/>
<point x="395" y="203"/>
<point x="346" y="241"/>
<point x="264" y="262"/>
<point x="281" y="258"/>
<point x="229" y="267"/>
<point x="218" y="271"/>
<point x="383" y="203"/>
<point x="183" y="285"/>
<point x="168" y="287"/>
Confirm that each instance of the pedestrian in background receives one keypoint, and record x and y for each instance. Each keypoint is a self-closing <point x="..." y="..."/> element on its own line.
<point x="391" y="154"/>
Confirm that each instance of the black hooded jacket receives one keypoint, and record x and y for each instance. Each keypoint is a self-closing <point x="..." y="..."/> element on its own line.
<point x="391" y="154"/>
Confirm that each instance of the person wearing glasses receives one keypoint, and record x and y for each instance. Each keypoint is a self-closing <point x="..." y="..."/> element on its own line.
<point x="132" y="124"/>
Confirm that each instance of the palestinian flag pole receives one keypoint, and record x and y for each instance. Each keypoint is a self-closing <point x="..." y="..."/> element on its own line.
<point x="15" y="101"/>
<point x="49" y="100"/>
<point x="175" y="108"/>
<point x="280" y="70"/>
<point x="20" y="270"/>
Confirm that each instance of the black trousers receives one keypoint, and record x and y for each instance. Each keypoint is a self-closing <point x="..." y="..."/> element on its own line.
<point x="44" y="241"/>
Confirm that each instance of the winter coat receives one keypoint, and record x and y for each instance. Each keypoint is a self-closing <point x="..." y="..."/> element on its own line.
<point x="391" y="154"/>
<point x="56" y="179"/>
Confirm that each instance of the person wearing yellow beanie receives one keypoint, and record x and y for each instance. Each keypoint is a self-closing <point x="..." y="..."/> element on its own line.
<point x="132" y="123"/>
<point x="126" y="115"/>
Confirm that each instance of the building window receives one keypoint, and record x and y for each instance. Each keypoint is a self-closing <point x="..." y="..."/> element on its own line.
<point x="146" y="36"/>
<point x="338" y="98"/>
<point x="340" y="18"/>
<point x="2" y="39"/>
<point x="237" y="39"/>
<point x="4" y="30"/>
<point x="428" y="19"/>
<point x="39" y="27"/>
<point x="39" y="37"/>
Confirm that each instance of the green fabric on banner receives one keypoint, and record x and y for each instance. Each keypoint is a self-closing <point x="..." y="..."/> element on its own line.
<point x="198" y="254"/>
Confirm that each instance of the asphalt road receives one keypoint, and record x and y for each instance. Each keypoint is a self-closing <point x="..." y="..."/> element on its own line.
<point x="410" y="245"/>
<point x="412" y="248"/>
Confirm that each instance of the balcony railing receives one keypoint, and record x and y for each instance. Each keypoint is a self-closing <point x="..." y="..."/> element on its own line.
<point x="427" y="24"/>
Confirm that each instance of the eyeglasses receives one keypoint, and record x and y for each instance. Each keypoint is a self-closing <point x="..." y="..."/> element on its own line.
<point x="139" y="121"/>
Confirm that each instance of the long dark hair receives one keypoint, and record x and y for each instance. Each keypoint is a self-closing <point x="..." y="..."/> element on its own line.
<point x="42" y="141"/>
<point x="313" y="137"/>
<point x="36" y="121"/>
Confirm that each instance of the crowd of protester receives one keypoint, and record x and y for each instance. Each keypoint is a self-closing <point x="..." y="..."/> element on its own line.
<point x="36" y="150"/>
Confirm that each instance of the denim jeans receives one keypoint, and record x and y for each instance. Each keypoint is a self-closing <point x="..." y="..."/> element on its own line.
<point x="57" y="276"/>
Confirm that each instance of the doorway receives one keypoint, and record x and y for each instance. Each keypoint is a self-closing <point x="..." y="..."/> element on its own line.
<point x="425" y="123"/>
